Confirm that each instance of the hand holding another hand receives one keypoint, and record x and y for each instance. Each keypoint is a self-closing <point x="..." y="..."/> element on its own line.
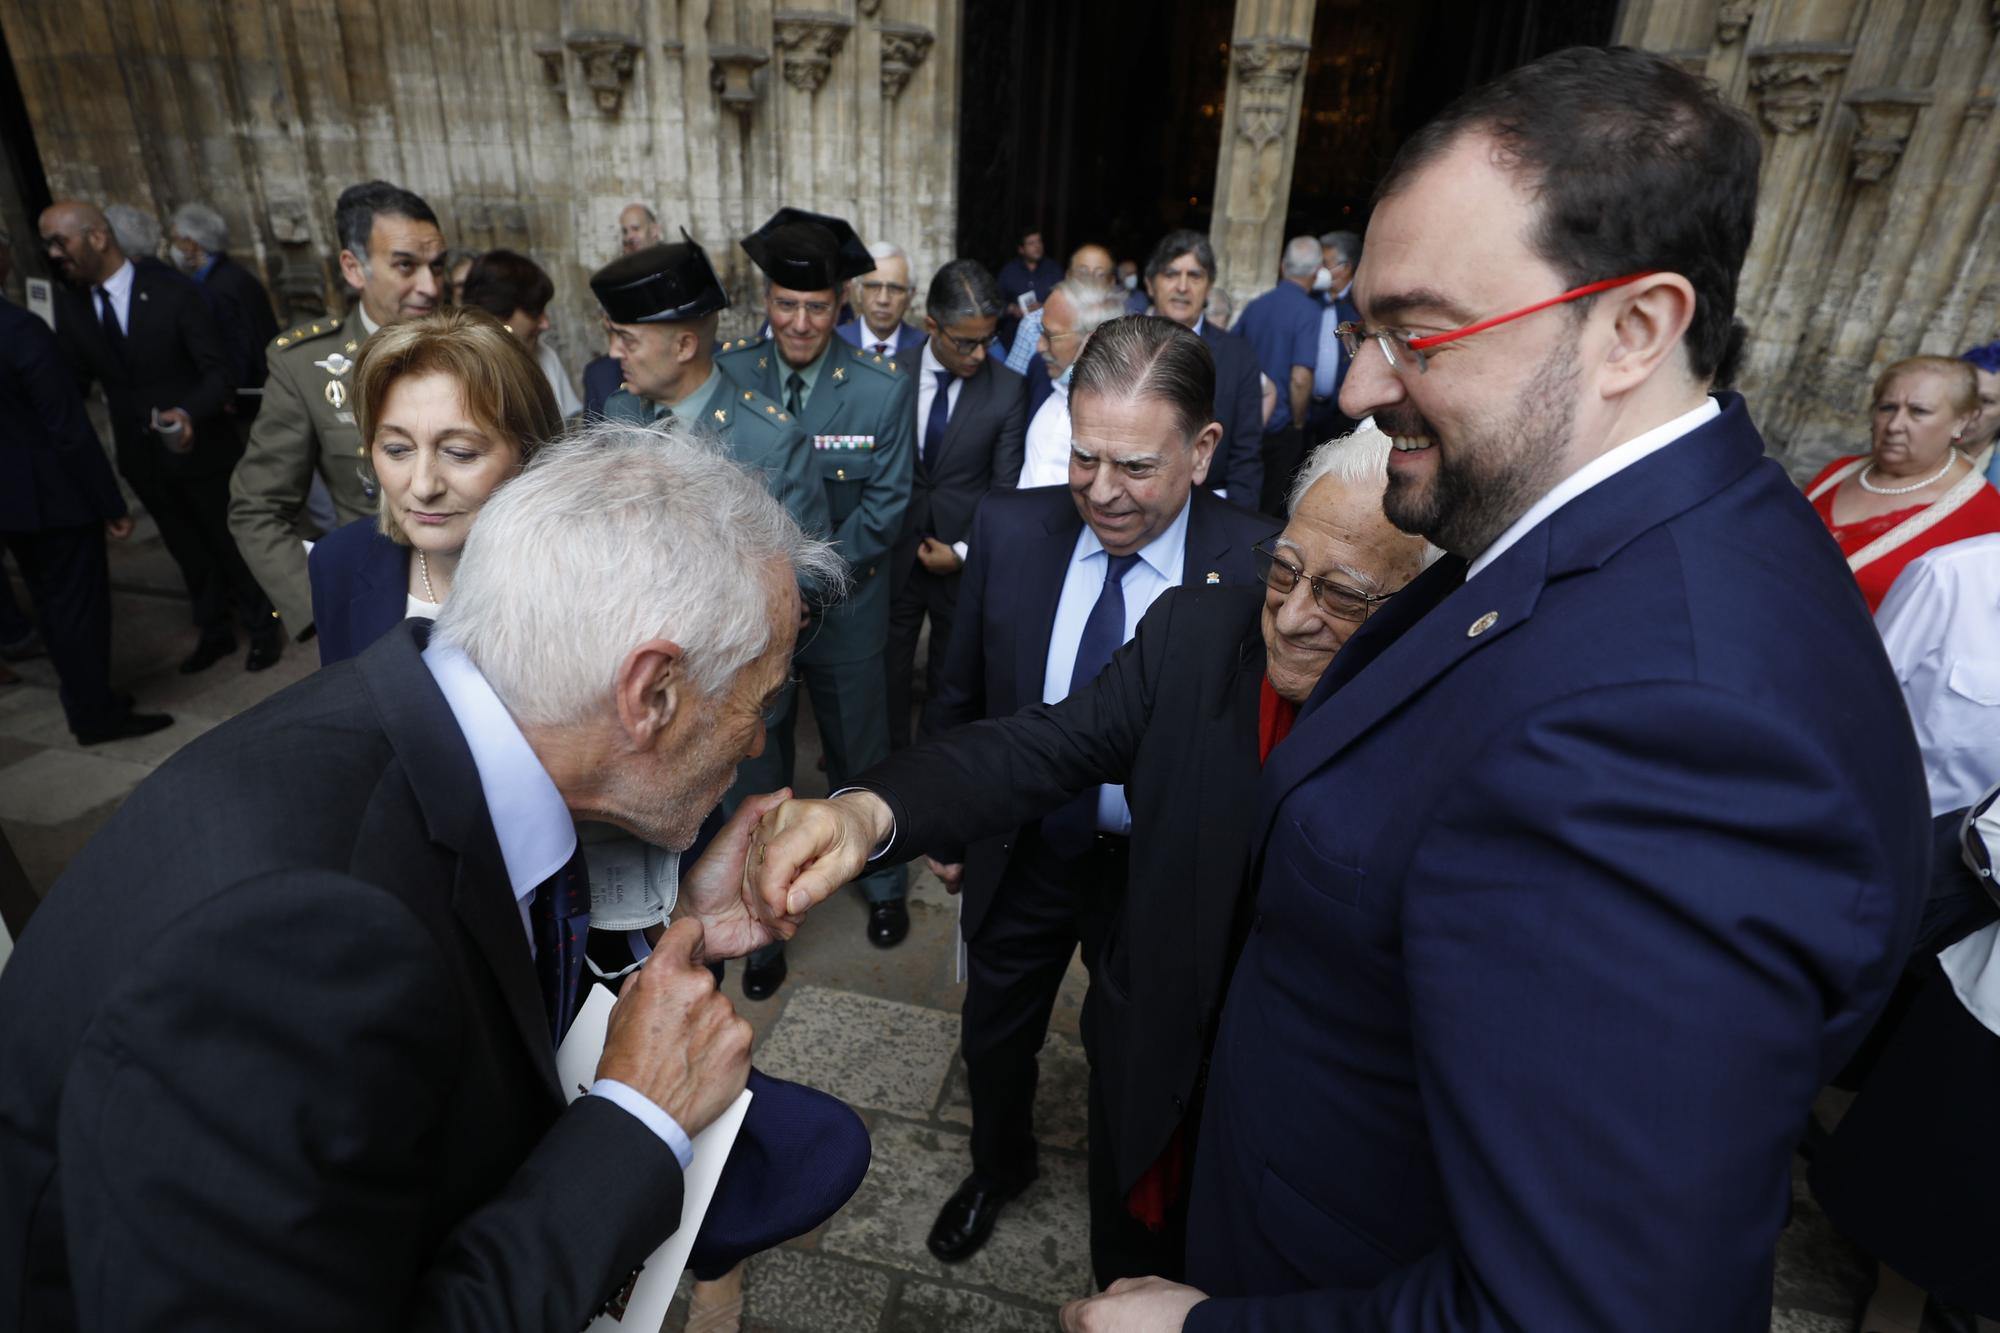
<point x="806" y="849"/>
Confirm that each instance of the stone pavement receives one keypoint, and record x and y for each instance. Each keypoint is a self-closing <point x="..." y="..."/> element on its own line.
<point x="877" y="1028"/>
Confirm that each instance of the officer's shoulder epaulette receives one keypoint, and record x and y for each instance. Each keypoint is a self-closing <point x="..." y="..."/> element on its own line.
<point x="729" y="345"/>
<point x="304" y="333"/>
<point x="749" y="404"/>
<point x="891" y="365"/>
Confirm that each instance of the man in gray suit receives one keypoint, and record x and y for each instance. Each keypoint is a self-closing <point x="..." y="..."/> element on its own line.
<point x="972" y="423"/>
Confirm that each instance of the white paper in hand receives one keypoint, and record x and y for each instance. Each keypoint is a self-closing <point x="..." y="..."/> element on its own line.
<point x="644" y="1304"/>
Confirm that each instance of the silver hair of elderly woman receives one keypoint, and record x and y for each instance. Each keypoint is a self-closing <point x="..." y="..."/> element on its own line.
<point x="617" y="535"/>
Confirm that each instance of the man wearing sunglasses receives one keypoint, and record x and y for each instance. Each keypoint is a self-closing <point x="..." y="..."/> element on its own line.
<point x="1598" y="849"/>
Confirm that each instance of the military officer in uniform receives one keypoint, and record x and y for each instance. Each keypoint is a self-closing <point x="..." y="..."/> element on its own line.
<point x="392" y="254"/>
<point x="661" y="305"/>
<point x="859" y="412"/>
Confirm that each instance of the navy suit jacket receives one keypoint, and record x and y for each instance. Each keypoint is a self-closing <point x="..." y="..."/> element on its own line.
<point x="1239" y="405"/>
<point x="360" y="588"/>
<point x="601" y="378"/>
<point x="909" y="338"/>
<point x="53" y="472"/>
<point x="998" y="654"/>
<point x="1576" y="881"/>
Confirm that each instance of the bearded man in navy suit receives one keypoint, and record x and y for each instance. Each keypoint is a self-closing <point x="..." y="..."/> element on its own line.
<point x="1598" y="849"/>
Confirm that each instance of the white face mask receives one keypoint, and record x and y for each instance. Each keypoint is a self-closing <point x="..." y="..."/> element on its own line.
<point x="1322" y="280"/>
<point x="1131" y="282"/>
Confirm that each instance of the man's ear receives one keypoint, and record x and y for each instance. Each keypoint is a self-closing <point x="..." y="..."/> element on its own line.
<point x="650" y="689"/>
<point x="1204" y="450"/>
<point x="352" y="271"/>
<point x="1651" y="320"/>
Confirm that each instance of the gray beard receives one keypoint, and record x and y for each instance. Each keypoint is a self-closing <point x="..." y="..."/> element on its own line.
<point x="1478" y="492"/>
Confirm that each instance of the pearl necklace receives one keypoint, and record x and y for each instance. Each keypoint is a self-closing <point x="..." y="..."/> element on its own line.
<point x="424" y="572"/>
<point x="1951" y="457"/>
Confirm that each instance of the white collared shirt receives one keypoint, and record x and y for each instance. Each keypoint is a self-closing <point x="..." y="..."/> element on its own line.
<point x="1941" y="624"/>
<point x="880" y="346"/>
<point x="532" y="824"/>
<point x="368" y="326"/>
<point x="1599" y="469"/>
<point x="119" y="288"/>
<point x="927" y="391"/>
<point x="1157" y="569"/>
<point x="1046" y="459"/>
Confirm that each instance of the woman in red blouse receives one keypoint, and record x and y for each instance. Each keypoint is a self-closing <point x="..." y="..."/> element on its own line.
<point x="1915" y="490"/>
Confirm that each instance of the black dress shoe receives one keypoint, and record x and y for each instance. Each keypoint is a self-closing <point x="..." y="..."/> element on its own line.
<point x="762" y="979"/>
<point x="967" y="1219"/>
<point x="125" y="728"/>
<point x="888" y="922"/>
<point x="265" y="650"/>
<point x="206" y="654"/>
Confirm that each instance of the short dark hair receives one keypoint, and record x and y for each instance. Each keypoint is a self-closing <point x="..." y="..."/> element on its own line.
<point x="1145" y="356"/>
<point x="1348" y="243"/>
<point x="354" y="216"/>
<point x="963" y="289"/>
<point x="1177" y="243"/>
<point x="1635" y="163"/>
<point x="503" y="281"/>
<point x="1026" y="232"/>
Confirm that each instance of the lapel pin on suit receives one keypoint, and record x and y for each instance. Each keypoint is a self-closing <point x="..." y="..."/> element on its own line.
<point x="1481" y="625"/>
<point x="1212" y="578"/>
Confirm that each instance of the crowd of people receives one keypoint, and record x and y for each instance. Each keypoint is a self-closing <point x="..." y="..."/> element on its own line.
<point x="1485" y="804"/>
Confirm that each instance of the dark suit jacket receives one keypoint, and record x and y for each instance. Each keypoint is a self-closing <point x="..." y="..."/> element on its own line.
<point x="243" y="313"/>
<point x="53" y="472"/>
<point x="360" y="588"/>
<point x="175" y="357"/>
<point x="1239" y="405"/>
<point x="601" y="378"/>
<point x="1324" y="419"/>
<point x="273" y="1054"/>
<point x="1021" y="545"/>
<point x="1562" y="923"/>
<point x="909" y="338"/>
<point x="981" y="451"/>
<point x="1173" y="718"/>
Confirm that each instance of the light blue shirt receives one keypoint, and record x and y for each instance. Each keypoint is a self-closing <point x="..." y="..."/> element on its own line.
<point x="533" y="827"/>
<point x="1022" y="354"/>
<point x="1157" y="569"/>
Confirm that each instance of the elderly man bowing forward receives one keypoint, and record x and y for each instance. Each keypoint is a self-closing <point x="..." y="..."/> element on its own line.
<point x="293" y="1065"/>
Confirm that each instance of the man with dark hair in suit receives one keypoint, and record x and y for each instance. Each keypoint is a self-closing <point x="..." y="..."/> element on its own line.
<point x="1057" y="579"/>
<point x="198" y="243"/>
<point x="58" y="502"/>
<point x="392" y="258"/>
<point x="1179" y="273"/>
<point x="146" y="335"/>
<point x="1184" y="717"/>
<point x="279" y="1051"/>
<point x="1599" y="848"/>
<point x="972" y="420"/>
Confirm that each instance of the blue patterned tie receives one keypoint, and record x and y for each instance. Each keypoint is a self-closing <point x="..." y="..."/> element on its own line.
<point x="1070" y="830"/>
<point x="935" y="423"/>
<point x="559" y="915"/>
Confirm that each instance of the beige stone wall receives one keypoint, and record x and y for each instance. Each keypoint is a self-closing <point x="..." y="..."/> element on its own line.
<point x="524" y="123"/>
<point x="1878" y="234"/>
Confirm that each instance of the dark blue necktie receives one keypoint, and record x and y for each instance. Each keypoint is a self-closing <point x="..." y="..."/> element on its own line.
<point x="107" y="315"/>
<point x="934" y="424"/>
<point x="559" y="916"/>
<point x="1070" y="830"/>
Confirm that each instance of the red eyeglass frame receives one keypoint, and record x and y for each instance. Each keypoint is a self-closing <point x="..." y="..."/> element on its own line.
<point x="1573" y="294"/>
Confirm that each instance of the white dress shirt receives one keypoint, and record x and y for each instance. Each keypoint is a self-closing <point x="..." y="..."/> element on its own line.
<point x="1973" y="964"/>
<point x="1046" y="460"/>
<point x="1157" y="569"/>
<point x="870" y="342"/>
<point x="568" y="404"/>
<point x="1599" y="469"/>
<point x="927" y="391"/>
<point x="119" y="288"/>
<point x="1941" y="624"/>
<point x="533" y="827"/>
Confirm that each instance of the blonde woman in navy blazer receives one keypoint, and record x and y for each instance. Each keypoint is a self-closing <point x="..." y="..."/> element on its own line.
<point x="451" y="406"/>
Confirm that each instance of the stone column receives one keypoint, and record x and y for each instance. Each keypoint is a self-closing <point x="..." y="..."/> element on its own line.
<point x="1253" y="175"/>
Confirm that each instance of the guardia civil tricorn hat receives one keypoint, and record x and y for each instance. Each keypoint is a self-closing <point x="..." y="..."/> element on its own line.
<point x="807" y="252"/>
<point x="661" y="284"/>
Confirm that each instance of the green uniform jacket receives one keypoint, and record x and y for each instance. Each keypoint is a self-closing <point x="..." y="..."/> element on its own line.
<point x="306" y="422"/>
<point x="759" y="434"/>
<point x="861" y="422"/>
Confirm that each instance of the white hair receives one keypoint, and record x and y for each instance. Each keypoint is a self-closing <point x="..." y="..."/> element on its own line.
<point x="1303" y="256"/>
<point x="202" y="225"/>
<point x="1095" y="303"/>
<point x="136" y="231"/>
<point x="1359" y="459"/>
<point x="881" y="250"/>
<point x="614" y="536"/>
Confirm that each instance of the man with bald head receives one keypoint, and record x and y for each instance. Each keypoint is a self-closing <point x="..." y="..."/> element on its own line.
<point x="638" y="227"/>
<point x="146" y="335"/>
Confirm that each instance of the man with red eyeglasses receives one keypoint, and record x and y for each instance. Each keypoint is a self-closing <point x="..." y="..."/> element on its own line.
<point x="1570" y="897"/>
